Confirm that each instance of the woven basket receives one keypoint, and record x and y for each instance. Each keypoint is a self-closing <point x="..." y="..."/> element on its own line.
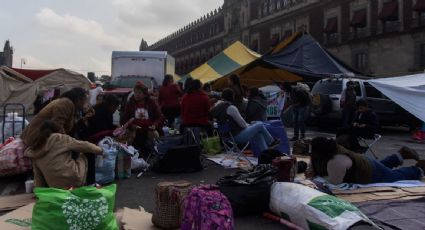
<point x="169" y="200"/>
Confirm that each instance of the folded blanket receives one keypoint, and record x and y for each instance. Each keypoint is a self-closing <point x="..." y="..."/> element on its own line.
<point x="349" y="186"/>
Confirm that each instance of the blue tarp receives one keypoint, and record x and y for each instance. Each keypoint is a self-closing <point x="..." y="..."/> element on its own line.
<point x="306" y="57"/>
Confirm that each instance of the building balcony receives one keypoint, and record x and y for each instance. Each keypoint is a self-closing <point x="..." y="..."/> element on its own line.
<point x="390" y="27"/>
<point x="358" y="34"/>
<point x="417" y="22"/>
<point x="332" y="39"/>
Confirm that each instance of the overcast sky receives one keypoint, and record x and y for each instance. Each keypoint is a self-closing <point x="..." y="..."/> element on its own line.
<point x="81" y="34"/>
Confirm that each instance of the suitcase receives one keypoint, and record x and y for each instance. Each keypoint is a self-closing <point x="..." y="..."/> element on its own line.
<point x="287" y="168"/>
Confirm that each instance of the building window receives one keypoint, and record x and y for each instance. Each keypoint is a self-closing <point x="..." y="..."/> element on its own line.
<point x="275" y="40"/>
<point x="271" y="6"/>
<point x="331" y="30"/>
<point x="361" y="61"/>
<point x="419" y="7"/>
<point x="359" y="19"/>
<point x="389" y="11"/>
<point x="287" y="34"/>
<point x="331" y="26"/>
<point x="265" y="8"/>
<point x="254" y="45"/>
<point x="278" y="4"/>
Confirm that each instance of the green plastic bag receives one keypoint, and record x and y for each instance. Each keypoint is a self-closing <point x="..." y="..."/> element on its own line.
<point x="211" y="145"/>
<point x="86" y="208"/>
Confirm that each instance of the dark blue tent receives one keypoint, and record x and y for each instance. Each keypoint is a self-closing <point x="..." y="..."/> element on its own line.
<point x="306" y="57"/>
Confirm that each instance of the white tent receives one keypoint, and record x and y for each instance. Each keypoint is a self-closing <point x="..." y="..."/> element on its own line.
<point x="23" y="86"/>
<point x="406" y="91"/>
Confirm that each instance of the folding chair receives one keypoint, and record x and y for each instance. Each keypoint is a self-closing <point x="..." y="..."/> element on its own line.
<point x="229" y="143"/>
<point x="368" y="143"/>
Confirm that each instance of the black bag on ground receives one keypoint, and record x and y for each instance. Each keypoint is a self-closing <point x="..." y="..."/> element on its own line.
<point x="268" y="155"/>
<point x="249" y="191"/>
<point x="178" y="154"/>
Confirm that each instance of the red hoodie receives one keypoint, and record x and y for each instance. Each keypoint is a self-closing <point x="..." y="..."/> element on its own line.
<point x="195" y="108"/>
<point x="169" y="96"/>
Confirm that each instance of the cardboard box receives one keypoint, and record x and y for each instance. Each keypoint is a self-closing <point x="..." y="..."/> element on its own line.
<point x="20" y="219"/>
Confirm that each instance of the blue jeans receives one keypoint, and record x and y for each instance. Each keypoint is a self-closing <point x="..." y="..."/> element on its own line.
<point x="382" y="171"/>
<point x="256" y="132"/>
<point x="299" y="117"/>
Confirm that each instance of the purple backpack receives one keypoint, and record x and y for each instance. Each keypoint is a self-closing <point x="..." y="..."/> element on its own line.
<point x="207" y="208"/>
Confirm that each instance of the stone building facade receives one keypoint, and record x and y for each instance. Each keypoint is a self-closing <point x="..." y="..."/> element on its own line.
<point x="6" y="57"/>
<point x="378" y="37"/>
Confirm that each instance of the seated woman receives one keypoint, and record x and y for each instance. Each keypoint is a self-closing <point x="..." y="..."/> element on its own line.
<point x="147" y="117"/>
<point x="101" y="124"/>
<point x="337" y="165"/>
<point x="195" y="108"/>
<point x="257" y="106"/>
<point x="53" y="160"/>
<point x="224" y="111"/>
<point x="365" y="125"/>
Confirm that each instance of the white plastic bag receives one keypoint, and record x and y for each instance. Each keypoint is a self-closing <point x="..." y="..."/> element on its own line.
<point x="137" y="163"/>
<point x="311" y="209"/>
<point x="105" y="165"/>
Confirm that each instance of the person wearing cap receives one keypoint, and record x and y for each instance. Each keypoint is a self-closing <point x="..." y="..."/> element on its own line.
<point x="146" y="113"/>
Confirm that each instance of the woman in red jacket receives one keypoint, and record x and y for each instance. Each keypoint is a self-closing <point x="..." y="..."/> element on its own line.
<point x="169" y="95"/>
<point x="195" y="108"/>
<point x="146" y="113"/>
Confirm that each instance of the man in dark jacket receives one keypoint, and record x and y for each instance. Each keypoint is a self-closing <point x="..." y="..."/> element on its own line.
<point x="257" y="106"/>
<point x="300" y="101"/>
<point x="365" y="125"/>
<point x="348" y="104"/>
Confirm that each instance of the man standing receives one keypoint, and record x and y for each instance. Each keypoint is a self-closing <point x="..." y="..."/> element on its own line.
<point x="348" y="104"/>
<point x="300" y="97"/>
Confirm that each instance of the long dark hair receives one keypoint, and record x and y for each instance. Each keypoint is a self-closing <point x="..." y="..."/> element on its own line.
<point x="228" y="95"/>
<point x="46" y="129"/>
<point x="236" y="81"/>
<point x="75" y="94"/>
<point x="194" y="85"/>
<point x="322" y="150"/>
<point x="167" y="79"/>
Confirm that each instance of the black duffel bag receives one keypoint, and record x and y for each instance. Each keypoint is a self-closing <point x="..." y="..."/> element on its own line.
<point x="178" y="154"/>
<point x="249" y="191"/>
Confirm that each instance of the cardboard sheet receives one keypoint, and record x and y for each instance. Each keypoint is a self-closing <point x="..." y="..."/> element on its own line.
<point x="20" y="219"/>
<point x="9" y="203"/>
<point x="133" y="219"/>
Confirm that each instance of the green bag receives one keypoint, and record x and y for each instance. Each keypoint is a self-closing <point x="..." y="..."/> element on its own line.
<point x="211" y="145"/>
<point x="86" y="208"/>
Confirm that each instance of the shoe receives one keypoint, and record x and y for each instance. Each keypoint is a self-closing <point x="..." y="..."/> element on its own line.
<point x="294" y="139"/>
<point x="275" y="143"/>
<point x="408" y="153"/>
<point x="421" y="164"/>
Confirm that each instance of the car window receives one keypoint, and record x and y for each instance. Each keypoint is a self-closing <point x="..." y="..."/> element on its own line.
<point x="131" y="82"/>
<point x="327" y="87"/>
<point x="373" y="92"/>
